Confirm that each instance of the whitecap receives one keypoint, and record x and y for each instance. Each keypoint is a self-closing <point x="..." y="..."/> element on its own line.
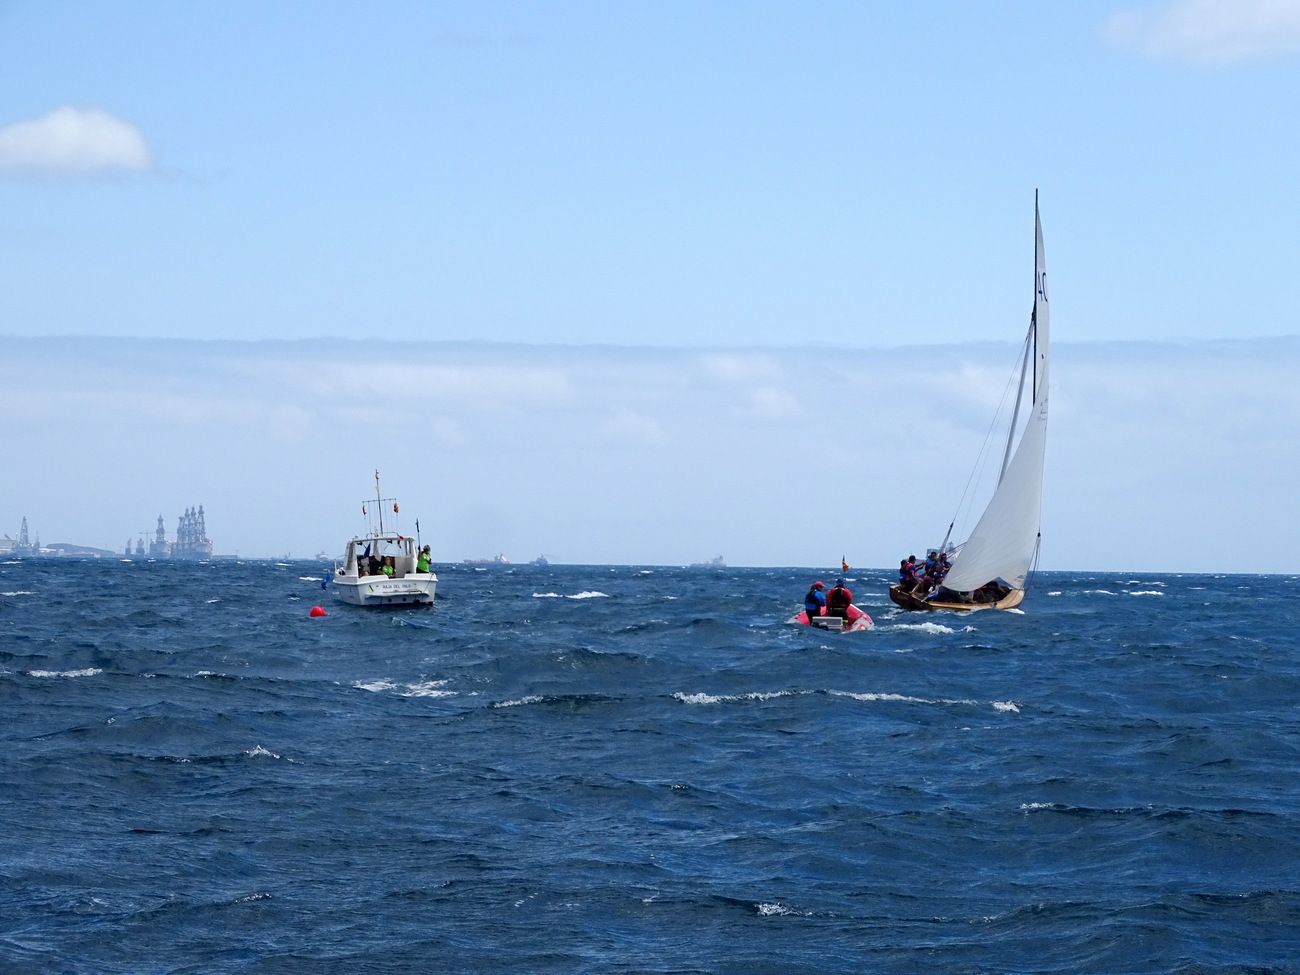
<point x="530" y="699"/>
<point x="18" y="592"/>
<point x="214" y="600"/>
<point x="899" y="698"/>
<point x="86" y="672"/>
<point x="1098" y="592"/>
<point x="1030" y="806"/>
<point x="1006" y="706"/>
<point x="699" y="698"/>
<point x="309" y="578"/>
<point x="874" y="696"/>
<point x="283" y="565"/>
<point x="1145" y="592"/>
<point x="374" y="686"/>
<point x="774" y="910"/>
<point x="931" y="628"/>
<point x="1013" y="609"/>
<point x="585" y="594"/>
<point x="260" y="752"/>
<point x="1057" y="593"/>
<point x="428" y="688"/>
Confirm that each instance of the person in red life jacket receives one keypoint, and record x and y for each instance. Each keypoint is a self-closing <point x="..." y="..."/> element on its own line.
<point x="906" y="575"/>
<point x="909" y="575"/>
<point x="815" y="601"/>
<point x="838" y="600"/>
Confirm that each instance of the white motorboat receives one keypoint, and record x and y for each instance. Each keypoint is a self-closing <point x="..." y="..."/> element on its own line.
<point x="380" y="567"/>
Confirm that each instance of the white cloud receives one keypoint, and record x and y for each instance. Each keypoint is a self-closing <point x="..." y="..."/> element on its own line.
<point x="740" y="367"/>
<point x="627" y="426"/>
<point x="774" y="403"/>
<point x="72" y="140"/>
<point x="1210" y="31"/>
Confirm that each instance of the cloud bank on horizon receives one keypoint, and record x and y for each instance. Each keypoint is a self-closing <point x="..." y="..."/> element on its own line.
<point x="73" y="141"/>
<point x="1213" y="32"/>
<point x="1169" y="457"/>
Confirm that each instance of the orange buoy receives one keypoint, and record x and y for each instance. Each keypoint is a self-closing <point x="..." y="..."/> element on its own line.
<point x="317" y="611"/>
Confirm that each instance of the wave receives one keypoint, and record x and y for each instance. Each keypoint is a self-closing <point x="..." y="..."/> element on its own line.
<point x="309" y="578"/>
<point x="86" y="672"/>
<point x="585" y="594"/>
<point x="18" y="592"/>
<point x="258" y="751"/>
<point x="530" y="699"/>
<point x="428" y="688"/>
<point x="775" y="910"/>
<point x="700" y="697"/>
<point x="1144" y="592"/>
<point x="930" y="628"/>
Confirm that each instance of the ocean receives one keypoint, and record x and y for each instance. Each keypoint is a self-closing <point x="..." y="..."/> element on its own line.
<point x="643" y="769"/>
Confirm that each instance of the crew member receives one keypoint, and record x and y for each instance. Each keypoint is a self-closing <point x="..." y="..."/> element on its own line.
<point x="838" y="600"/>
<point x="815" y="601"/>
<point x="422" y="561"/>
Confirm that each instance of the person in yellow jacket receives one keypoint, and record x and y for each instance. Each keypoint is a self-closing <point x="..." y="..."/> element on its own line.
<point x="422" y="560"/>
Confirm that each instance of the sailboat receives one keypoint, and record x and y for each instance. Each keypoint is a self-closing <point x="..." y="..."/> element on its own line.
<point x="989" y="570"/>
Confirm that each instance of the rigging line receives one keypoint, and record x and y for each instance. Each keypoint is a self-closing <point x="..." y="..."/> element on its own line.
<point x="1015" y="413"/>
<point x="1033" y="565"/>
<point x="981" y="459"/>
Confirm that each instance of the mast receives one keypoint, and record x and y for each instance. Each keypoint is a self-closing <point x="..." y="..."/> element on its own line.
<point x="379" y="503"/>
<point x="1031" y="344"/>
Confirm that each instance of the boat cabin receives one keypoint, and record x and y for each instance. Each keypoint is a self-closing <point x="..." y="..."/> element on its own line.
<point x="365" y="557"/>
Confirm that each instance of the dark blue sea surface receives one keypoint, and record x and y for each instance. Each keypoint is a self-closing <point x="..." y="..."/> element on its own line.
<point x="596" y="769"/>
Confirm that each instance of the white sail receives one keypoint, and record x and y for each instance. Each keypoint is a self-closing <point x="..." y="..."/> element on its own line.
<point x="1005" y="540"/>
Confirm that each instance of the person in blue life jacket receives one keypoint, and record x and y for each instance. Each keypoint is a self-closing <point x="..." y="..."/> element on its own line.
<point x="838" y="600"/>
<point x="930" y="572"/>
<point x="815" y="601"/>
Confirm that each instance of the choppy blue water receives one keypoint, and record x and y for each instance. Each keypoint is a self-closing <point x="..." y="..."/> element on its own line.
<point x="593" y="769"/>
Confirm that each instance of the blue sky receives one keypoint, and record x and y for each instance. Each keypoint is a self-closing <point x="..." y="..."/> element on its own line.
<point x="655" y="173"/>
<point x="688" y="184"/>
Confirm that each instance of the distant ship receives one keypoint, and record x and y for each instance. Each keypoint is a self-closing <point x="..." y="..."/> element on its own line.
<point x="714" y="563"/>
<point x="495" y="560"/>
<point x="541" y="561"/>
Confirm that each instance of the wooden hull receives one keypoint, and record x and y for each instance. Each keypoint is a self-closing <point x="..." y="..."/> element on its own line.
<point x="914" y="603"/>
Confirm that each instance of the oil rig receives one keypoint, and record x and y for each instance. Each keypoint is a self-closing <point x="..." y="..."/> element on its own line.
<point x="192" y="542"/>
